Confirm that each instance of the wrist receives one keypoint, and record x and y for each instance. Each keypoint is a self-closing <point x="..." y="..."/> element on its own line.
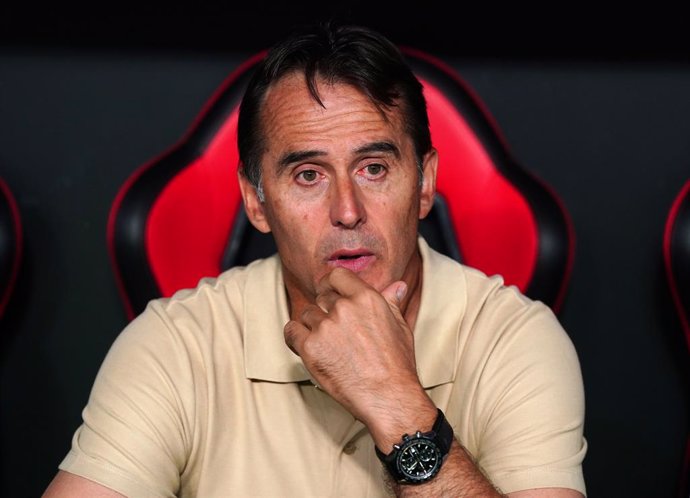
<point x="418" y="457"/>
<point x="403" y="416"/>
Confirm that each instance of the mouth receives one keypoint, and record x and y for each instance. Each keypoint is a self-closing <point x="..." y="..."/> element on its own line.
<point x="355" y="260"/>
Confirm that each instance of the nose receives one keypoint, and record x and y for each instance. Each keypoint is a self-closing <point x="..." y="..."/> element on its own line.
<point x="346" y="207"/>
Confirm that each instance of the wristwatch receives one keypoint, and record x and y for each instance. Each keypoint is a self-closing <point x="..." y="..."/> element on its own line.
<point x="418" y="458"/>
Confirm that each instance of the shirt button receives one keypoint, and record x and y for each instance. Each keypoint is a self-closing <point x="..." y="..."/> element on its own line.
<point x="350" y="448"/>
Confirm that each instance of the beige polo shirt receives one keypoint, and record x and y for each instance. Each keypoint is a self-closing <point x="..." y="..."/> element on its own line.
<point x="200" y="397"/>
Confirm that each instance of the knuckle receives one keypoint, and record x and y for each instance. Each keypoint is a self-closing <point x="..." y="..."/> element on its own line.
<point x="289" y="332"/>
<point x="369" y="298"/>
<point x="307" y="313"/>
<point x="341" y="306"/>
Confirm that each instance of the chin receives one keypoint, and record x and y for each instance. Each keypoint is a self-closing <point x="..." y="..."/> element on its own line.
<point x="378" y="282"/>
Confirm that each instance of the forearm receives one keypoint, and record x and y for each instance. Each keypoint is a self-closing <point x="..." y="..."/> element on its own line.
<point x="458" y="478"/>
<point x="360" y="349"/>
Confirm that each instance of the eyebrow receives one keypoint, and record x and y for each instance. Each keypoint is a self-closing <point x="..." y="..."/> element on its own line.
<point x="297" y="156"/>
<point x="301" y="155"/>
<point x="382" y="146"/>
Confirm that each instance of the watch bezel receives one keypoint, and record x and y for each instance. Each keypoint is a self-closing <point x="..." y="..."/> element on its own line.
<point x="402" y="450"/>
<point x="440" y="438"/>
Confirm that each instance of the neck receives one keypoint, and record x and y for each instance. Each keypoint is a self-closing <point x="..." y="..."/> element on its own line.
<point x="413" y="278"/>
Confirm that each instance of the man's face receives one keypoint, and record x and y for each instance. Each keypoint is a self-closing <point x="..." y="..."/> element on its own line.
<point x="341" y="187"/>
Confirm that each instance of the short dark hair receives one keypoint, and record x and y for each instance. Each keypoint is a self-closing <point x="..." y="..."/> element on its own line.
<point x="353" y="55"/>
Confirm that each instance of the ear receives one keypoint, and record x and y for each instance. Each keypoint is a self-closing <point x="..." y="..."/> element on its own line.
<point x="252" y="205"/>
<point x="428" y="189"/>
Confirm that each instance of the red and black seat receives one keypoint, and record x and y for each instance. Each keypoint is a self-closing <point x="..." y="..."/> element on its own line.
<point x="179" y="217"/>
<point x="677" y="255"/>
<point x="676" y="251"/>
<point x="10" y="244"/>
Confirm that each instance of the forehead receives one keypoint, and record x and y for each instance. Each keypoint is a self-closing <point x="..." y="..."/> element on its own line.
<point x="292" y="117"/>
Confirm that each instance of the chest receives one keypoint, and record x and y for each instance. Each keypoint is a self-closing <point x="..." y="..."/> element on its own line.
<point x="281" y="440"/>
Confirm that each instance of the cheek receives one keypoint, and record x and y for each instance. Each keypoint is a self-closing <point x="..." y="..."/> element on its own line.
<point x="402" y="215"/>
<point x="402" y="225"/>
<point x="292" y="229"/>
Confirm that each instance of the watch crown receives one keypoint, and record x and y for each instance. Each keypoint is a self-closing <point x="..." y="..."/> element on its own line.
<point x="406" y="437"/>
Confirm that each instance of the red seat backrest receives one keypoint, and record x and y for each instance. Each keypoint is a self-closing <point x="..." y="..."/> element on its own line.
<point x="676" y="253"/>
<point x="676" y="249"/>
<point x="10" y="244"/>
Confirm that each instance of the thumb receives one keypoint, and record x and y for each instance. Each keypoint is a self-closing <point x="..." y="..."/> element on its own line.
<point x="395" y="293"/>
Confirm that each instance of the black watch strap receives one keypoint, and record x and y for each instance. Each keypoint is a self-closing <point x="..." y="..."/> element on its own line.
<point x="418" y="458"/>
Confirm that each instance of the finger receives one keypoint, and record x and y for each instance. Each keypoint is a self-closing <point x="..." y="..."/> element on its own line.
<point x="342" y="281"/>
<point x="327" y="300"/>
<point x="295" y="334"/>
<point x="395" y="293"/>
<point x="311" y="316"/>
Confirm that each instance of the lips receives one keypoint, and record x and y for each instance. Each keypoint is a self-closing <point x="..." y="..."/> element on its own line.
<point x="356" y="260"/>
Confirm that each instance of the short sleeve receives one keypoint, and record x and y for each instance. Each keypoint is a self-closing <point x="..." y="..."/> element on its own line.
<point x="136" y="426"/>
<point x="533" y="405"/>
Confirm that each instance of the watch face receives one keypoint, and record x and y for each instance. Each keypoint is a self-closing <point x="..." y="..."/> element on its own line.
<point x="419" y="459"/>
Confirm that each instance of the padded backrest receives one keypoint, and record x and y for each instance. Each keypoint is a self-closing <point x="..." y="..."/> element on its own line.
<point x="676" y="252"/>
<point x="179" y="217"/>
<point x="506" y="221"/>
<point x="10" y="244"/>
<point x="676" y="249"/>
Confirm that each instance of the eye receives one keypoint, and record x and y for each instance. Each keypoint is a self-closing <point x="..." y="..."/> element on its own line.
<point x="307" y="176"/>
<point x="373" y="170"/>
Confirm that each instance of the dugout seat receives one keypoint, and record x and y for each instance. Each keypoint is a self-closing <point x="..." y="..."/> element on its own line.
<point x="179" y="217"/>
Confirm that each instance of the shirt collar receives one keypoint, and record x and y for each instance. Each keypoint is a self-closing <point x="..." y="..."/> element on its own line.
<point x="266" y="357"/>
<point x="441" y="309"/>
<point x="442" y="306"/>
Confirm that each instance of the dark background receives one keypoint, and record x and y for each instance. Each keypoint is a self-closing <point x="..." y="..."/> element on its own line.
<point x="595" y="102"/>
<point x="578" y="30"/>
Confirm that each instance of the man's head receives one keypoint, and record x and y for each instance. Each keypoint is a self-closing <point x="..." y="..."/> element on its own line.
<point x="351" y="55"/>
<point x="336" y="158"/>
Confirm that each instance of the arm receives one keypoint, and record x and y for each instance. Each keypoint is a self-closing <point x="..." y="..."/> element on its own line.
<point x="359" y="349"/>
<point x="132" y="428"/>
<point x="460" y="477"/>
<point x="66" y="485"/>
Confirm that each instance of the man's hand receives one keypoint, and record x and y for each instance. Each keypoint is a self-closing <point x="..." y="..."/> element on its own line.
<point x="358" y="348"/>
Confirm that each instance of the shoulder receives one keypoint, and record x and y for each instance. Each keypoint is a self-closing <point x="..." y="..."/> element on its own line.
<point x="212" y="296"/>
<point x="521" y="342"/>
<point x="490" y="297"/>
<point x="196" y="316"/>
<point x="229" y="285"/>
<point x="495" y="319"/>
<point x="475" y="291"/>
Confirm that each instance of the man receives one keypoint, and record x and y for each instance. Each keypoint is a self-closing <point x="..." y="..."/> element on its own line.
<point x="389" y="352"/>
